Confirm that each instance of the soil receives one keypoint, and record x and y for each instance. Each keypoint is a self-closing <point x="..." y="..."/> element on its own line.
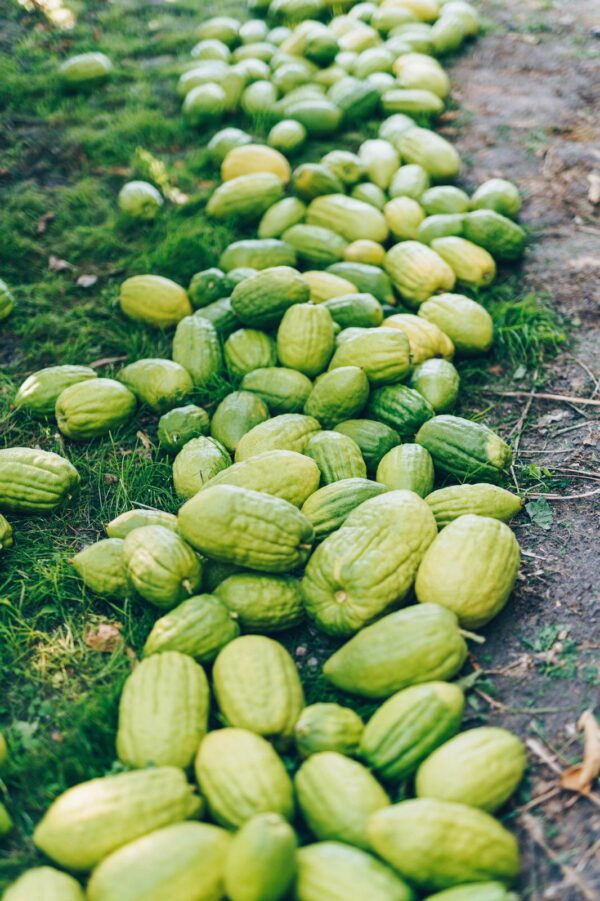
<point x="528" y="93"/>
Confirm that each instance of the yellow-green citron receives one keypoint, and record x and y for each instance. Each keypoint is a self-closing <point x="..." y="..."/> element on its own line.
<point x="329" y="507"/>
<point x="328" y="727"/>
<point x="337" y="395"/>
<point x="478" y="891"/>
<point x="283" y="390"/>
<point x="6" y="533"/>
<point x="438" y="844"/>
<point x="262" y="602"/>
<point x="237" y="525"/>
<point x="369" y="564"/>
<point x="426" y="340"/>
<point x="438" y="382"/>
<point x="198" y="461"/>
<point x="409" y="725"/>
<point x="409" y="467"/>
<point x="154" y="300"/>
<point x="39" y="392"/>
<point x="470" y="568"/>
<point x="102" y="568"/>
<point x="305" y="339"/>
<point x="334" y="871"/>
<point x="161" y="384"/>
<point x="183" y="861"/>
<point x="419" y="644"/>
<point x="126" y="522"/>
<point x="471" y="264"/>
<point x="483" y="499"/>
<point x="480" y="767"/>
<point x="92" y="408"/>
<point x="466" y="322"/>
<point x="44" y="884"/>
<point x="289" y="431"/>
<point x="336" y="796"/>
<point x="281" y="473"/>
<point x="162" y="568"/>
<point x="417" y="271"/>
<point x="200" y="627"/>
<point x="163" y="712"/>
<point x="261" y="863"/>
<point x="33" y="480"/>
<point x="336" y="456"/>
<point x="383" y="354"/>
<point x="89" y="821"/>
<point x="197" y="348"/>
<point x="241" y="775"/>
<point x="85" y="69"/>
<point x="180" y="425"/>
<point x="237" y="413"/>
<point x="7" y="301"/>
<point x="257" y="686"/>
<point x="6" y="823"/>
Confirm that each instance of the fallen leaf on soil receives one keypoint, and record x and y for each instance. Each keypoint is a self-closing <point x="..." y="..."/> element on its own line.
<point x="580" y="778"/>
<point x="106" y="361"/>
<point x="540" y="513"/>
<point x="594" y="191"/>
<point x="58" y="265"/>
<point x="105" y="637"/>
<point x="86" y="281"/>
<point x="43" y="222"/>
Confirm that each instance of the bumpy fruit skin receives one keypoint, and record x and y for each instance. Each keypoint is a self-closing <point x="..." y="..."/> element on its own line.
<point x="336" y="796"/>
<point x="314" y="245"/>
<point x="369" y="564"/>
<point x="237" y="525"/>
<point x="350" y="218"/>
<point x="261" y="300"/>
<point x="248" y="349"/>
<point x="466" y="322"/>
<point x="438" y="844"/>
<point x="333" y="871"/>
<point x="92" y="819"/>
<point x="328" y="727"/>
<point x="206" y="287"/>
<point x="418" y="644"/>
<point x="471" y="264"/>
<point x="237" y="413"/>
<point x="140" y="200"/>
<point x="402" y="408"/>
<point x="198" y="461"/>
<point x="467" y="450"/>
<point x="305" y="339"/>
<point x="161" y="384"/>
<point x="374" y="439"/>
<point x="325" y="285"/>
<point x="281" y="473"/>
<point x="482" y="499"/>
<point x="6" y="533"/>
<point x="93" y="408"/>
<point x="35" y="480"/>
<point x="257" y="686"/>
<point x="338" y="395"/>
<point x="85" y="69"/>
<point x="337" y="457"/>
<point x="383" y="354"/>
<point x="163" y="712"/>
<point x="184" y="861"/>
<point x="355" y="310"/>
<point x="438" y="382"/>
<point x="281" y="216"/>
<point x="245" y="197"/>
<point x="480" y="767"/>
<point x="283" y="390"/>
<point x="262" y="602"/>
<point x="367" y="278"/>
<point x="427" y="149"/>
<point x="329" y="507"/>
<point x="257" y="254"/>
<point x="40" y="391"/>
<point x="102" y="568"/>
<point x="122" y="525"/>
<point x="289" y="431"/>
<point x="499" y="195"/>
<point x="154" y="300"/>
<point x="478" y="891"/>
<point x="470" y="568"/>
<point x="197" y="348"/>
<point x="44" y="884"/>
<point x="425" y="338"/>
<point x="180" y="425"/>
<point x="261" y="864"/>
<point x="417" y="271"/>
<point x="200" y="627"/>
<point x="7" y="301"/>
<point x="500" y="236"/>
<point x="162" y="568"/>
<point x="252" y="158"/>
<point x="240" y="775"/>
<point x="409" y="467"/>
<point x="404" y="730"/>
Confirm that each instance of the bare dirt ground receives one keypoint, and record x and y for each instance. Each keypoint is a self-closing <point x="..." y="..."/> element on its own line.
<point x="529" y="93"/>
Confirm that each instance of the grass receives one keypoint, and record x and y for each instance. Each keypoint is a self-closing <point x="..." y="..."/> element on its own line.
<point x="63" y="158"/>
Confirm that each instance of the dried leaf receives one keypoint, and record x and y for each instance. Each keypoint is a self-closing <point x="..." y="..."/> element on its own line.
<point x="144" y="440"/>
<point x="43" y="222"/>
<point x="106" y="361"/>
<point x="58" y="265"/>
<point x="87" y="281"/>
<point x="594" y="191"/>
<point x="105" y="637"/>
<point x="580" y="778"/>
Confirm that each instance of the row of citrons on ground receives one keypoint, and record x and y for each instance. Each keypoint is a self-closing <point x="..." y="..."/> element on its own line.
<point x="267" y="545"/>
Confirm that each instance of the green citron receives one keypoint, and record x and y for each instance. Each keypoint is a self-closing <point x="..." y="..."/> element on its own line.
<point x="468" y="450"/>
<point x="328" y="727"/>
<point x="39" y="392"/>
<point x="465" y="321"/>
<point x="162" y="568"/>
<point x="7" y="301"/>
<point x="241" y="775"/>
<point x="89" y="821"/>
<point x="245" y="197"/>
<point x="281" y="473"/>
<point x="261" y="300"/>
<point x="482" y="499"/>
<point x="305" y="339"/>
<point x="154" y="300"/>
<point x="197" y="348"/>
<point x="45" y="884"/>
<point x="374" y="439"/>
<point x="367" y="278"/>
<point x="409" y="726"/>
<point x="160" y="384"/>
<point x="499" y="235"/>
<point x="261" y="602"/>
<point x="336" y="796"/>
<point x="329" y="507"/>
<point x="248" y="349"/>
<point x="480" y="767"/>
<point x="438" y="382"/>
<point x="237" y="414"/>
<point x="257" y="686"/>
<point x="479" y="891"/>
<point x="196" y="463"/>
<point x="338" y="395"/>
<point x="471" y="569"/>
<point x="402" y="408"/>
<point x="281" y="216"/>
<point x="355" y="310"/>
<point x="337" y="457"/>
<point x="207" y="286"/>
<point x="163" y="712"/>
<point x="257" y="254"/>
<point x="419" y="644"/>
<point x="471" y="264"/>
<point x="439" y="844"/>
<point x="185" y="860"/>
<point x="237" y="525"/>
<point x="6" y="823"/>
<point x="134" y="519"/>
<point x="93" y="408"/>
<point x="180" y="425"/>
<point x="6" y="533"/>
<point x="383" y="354"/>
<point x="369" y="564"/>
<point x="215" y="572"/>
<point x="333" y="871"/>
<point x="409" y="467"/>
<point x="499" y="195"/>
<point x="289" y="431"/>
<point x="34" y="480"/>
<point x="200" y="627"/>
<point x="102" y="568"/>
<point x="261" y="863"/>
<point x="283" y="390"/>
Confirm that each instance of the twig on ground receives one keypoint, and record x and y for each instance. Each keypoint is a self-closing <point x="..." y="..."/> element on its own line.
<point x="571" y="428"/>
<point x="563" y="398"/>
<point x="564" y="497"/>
<point x="571" y="876"/>
<point x="588" y="371"/>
